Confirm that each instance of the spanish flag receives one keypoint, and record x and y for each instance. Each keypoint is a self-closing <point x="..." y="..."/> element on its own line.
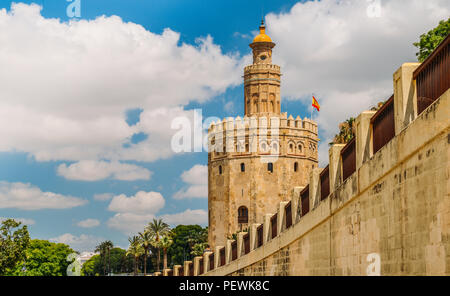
<point x="315" y="104"/>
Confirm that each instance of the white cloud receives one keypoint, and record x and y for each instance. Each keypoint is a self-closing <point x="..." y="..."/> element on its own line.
<point x="88" y="223"/>
<point x="103" y="196"/>
<point x="91" y="170"/>
<point x="28" y="197"/>
<point x="187" y="217"/>
<point x="197" y="180"/>
<point x="81" y="76"/>
<point x="131" y="223"/>
<point x="141" y="203"/>
<point x="24" y="221"/>
<point x="82" y="243"/>
<point x="334" y="50"/>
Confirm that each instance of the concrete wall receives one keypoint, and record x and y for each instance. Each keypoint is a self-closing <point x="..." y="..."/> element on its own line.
<point x="394" y="209"/>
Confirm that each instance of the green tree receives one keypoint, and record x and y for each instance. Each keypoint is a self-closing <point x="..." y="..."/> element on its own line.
<point x="184" y="238"/>
<point x="157" y="228"/>
<point x="164" y="243"/>
<point x="14" y="241"/>
<point x="198" y="249"/>
<point x="120" y="263"/>
<point x="136" y="250"/>
<point x="103" y="248"/>
<point x="346" y="132"/>
<point x="429" y="41"/>
<point x="44" y="258"/>
<point x="146" y="240"/>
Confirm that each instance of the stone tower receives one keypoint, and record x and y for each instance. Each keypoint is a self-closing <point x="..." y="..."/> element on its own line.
<point x="255" y="161"/>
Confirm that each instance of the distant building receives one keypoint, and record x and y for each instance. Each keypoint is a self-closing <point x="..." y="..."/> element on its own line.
<point x="85" y="256"/>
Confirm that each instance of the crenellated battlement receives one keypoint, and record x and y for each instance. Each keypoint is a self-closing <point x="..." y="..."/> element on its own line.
<point x="282" y="122"/>
<point x="262" y="67"/>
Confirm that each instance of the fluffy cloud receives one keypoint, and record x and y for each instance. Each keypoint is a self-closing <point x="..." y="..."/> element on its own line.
<point x="24" y="221"/>
<point x="28" y="197"/>
<point x="187" y="217"/>
<point x="89" y="223"/>
<point x="197" y="180"/>
<point x="141" y="203"/>
<point x="335" y="50"/>
<point x="91" y="170"/>
<point x="131" y="223"/>
<point x="82" y="76"/>
<point x="82" y="243"/>
<point x="135" y="212"/>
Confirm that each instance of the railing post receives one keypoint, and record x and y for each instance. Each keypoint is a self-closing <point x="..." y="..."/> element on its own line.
<point x="186" y="267"/>
<point x="217" y="257"/>
<point x="253" y="236"/>
<point x="240" y="244"/>
<point x="267" y="228"/>
<point x="176" y="270"/>
<point x="296" y="203"/>
<point x="335" y="166"/>
<point x="405" y="96"/>
<point x="197" y="265"/>
<point x="314" y="193"/>
<point x="228" y="250"/>
<point x="206" y="261"/>
<point x="363" y="138"/>
<point x="281" y="217"/>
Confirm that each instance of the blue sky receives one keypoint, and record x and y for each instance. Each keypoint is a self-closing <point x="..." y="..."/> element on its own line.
<point x="341" y="52"/>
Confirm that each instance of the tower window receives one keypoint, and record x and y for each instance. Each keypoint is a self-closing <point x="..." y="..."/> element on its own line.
<point x="270" y="167"/>
<point x="242" y="214"/>
<point x="295" y="166"/>
<point x="242" y="167"/>
<point x="263" y="57"/>
<point x="220" y="170"/>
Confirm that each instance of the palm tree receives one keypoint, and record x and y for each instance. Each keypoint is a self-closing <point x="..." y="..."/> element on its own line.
<point x="101" y="248"/>
<point x="165" y="242"/>
<point x="109" y="245"/>
<point x="157" y="228"/>
<point x="146" y="241"/>
<point x="135" y="249"/>
<point x="346" y="132"/>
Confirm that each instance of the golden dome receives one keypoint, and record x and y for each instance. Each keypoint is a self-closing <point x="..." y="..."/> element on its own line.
<point x="262" y="37"/>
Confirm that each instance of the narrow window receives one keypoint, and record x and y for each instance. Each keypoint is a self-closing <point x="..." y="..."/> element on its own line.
<point x="242" y="215"/>
<point x="242" y="167"/>
<point x="270" y="167"/>
<point x="295" y="166"/>
<point x="220" y="170"/>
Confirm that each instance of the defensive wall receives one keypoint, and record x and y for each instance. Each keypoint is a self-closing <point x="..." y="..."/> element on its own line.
<point x="381" y="206"/>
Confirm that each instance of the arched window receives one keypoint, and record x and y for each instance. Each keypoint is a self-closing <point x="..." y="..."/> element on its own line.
<point x="300" y="148"/>
<point x="270" y="167"/>
<point x="242" y="167"/>
<point x="295" y="166"/>
<point x="242" y="214"/>
<point x="220" y="170"/>
<point x="291" y="148"/>
<point x="275" y="147"/>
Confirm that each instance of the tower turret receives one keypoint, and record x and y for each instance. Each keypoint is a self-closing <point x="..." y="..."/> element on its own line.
<point x="262" y="79"/>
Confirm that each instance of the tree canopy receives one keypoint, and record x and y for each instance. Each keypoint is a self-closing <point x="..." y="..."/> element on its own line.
<point x="429" y="41"/>
<point x="14" y="240"/>
<point x="44" y="258"/>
